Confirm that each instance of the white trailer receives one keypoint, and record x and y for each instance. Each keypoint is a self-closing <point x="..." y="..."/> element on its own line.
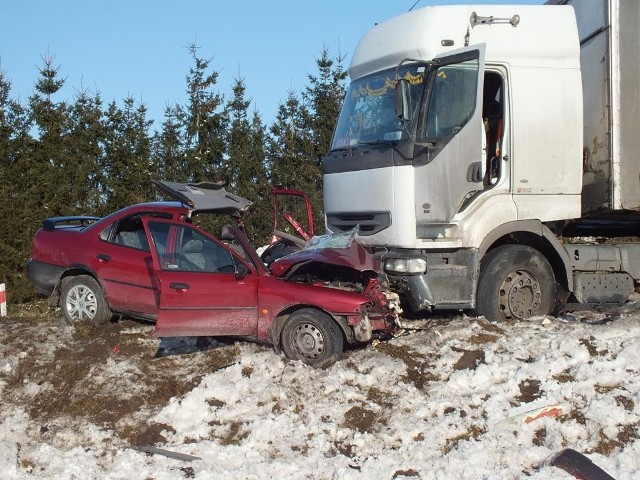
<point x="610" y="62"/>
<point x="474" y="139"/>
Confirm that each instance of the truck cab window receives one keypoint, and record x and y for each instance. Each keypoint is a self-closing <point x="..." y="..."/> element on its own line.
<point x="493" y="120"/>
<point x="452" y="100"/>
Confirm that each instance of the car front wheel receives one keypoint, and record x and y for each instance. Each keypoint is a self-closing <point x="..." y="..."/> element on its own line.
<point x="83" y="300"/>
<point x="312" y="337"/>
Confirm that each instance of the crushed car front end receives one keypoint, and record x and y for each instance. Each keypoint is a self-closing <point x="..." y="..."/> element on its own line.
<point x="338" y="263"/>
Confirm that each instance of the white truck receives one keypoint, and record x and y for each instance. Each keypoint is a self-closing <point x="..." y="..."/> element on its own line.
<point x="489" y="155"/>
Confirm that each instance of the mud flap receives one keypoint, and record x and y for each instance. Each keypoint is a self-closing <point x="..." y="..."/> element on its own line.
<point x="578" y="465"/>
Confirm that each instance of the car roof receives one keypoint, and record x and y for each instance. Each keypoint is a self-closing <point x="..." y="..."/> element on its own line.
<point x="178" y="208"/>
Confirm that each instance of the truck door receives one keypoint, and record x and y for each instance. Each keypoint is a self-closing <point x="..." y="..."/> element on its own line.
<point x="200" y="293"/>
<point x="452" y="127"/>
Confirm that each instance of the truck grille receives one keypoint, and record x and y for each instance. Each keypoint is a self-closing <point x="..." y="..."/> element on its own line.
<point x="369" y="223"/>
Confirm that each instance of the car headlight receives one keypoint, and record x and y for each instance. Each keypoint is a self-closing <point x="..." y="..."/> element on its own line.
<point x="405" y="265"/>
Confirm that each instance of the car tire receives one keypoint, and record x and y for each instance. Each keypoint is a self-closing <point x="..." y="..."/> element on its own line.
<point x="516" y="282"/>
<point x="312" y="337"/>
<point x="83" y="300"/>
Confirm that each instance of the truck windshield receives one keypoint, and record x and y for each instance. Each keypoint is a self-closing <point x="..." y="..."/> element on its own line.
<point x="368" y="116"/>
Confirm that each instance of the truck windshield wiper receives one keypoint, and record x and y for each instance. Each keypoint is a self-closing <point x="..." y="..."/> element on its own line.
<point x="378" y="142"/>
<point x="350" y="148"/>
<point x="341" y="149"/>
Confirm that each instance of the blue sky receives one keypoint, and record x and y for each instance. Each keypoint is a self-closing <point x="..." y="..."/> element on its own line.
<point x="138" y="47"/>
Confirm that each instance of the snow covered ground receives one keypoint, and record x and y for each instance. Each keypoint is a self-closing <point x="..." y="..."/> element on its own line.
<point x="461" y="399"/>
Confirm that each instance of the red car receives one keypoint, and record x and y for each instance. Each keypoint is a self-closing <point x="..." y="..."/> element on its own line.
<point x="150" y="261"/>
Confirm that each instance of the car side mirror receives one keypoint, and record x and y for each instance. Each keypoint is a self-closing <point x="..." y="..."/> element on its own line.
<point x="402" y="100"/>
<point x="241" y="271"/>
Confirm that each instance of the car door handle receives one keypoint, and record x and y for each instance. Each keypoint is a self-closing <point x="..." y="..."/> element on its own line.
<point x="179" y="286"/>
<point x="103" y="258"/>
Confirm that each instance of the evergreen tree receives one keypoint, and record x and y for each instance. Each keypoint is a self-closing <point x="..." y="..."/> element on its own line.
<point x="15" y="236"/>
<point x="245" y="169"/>
<point x="291" y="153"/>
<point x="205" y="124"/>
<point x="324" y="95"/>
<point x="261" y="215"/>
<point x="44" y="170"/>
<point x="127" y="167"/>
<point x="238" y="146"/>
<point x="84" y="153"/>
<point x="303" y="130"/>
<point x="169" y="147"/>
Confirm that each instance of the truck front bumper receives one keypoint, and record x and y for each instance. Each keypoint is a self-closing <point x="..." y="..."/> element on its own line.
<point x="449" y="282"/>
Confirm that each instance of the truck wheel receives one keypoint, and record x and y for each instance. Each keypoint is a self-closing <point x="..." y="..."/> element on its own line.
<point x="312" y="337"/>
<point x="516" y="282"/>
<point x="83" y="300"/>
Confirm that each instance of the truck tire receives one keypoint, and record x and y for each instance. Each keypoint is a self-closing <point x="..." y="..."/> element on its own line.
<point x="83" y="300"/>
<point x="312" y="337"/>
<point x="516" y="282"/>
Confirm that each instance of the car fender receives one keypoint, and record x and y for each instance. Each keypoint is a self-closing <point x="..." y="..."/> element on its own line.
<point x="72" y="270"/>
<point x="353" y="333"/>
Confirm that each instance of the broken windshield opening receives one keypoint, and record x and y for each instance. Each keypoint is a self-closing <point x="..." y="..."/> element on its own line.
<point x="368" y="116"/>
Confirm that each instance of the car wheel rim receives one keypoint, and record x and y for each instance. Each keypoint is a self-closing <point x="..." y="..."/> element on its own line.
<point x="309" y="341"/>
<point x="82" y="303"/>
<point x="520" y="295"/>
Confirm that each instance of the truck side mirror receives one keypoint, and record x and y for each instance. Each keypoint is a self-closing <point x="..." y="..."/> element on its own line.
<point x="402" y="100"/>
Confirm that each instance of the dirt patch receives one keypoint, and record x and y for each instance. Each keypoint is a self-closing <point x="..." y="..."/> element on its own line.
<point x="588" y="343"/>
<point x="115" y="376"/>
<point x="473" y="433"/>
<point x="151" y="435"/>
<point x="235" y="433"/>
<point x="469" y="360"/>
<point x="482" y="338"/>
<point x="405" y="473"/>
<point x="564" y="377"/>
<point x="380" y="397"/>
<point x="418" y="369"/>
<point x="627" y="403"/>
<point x="539" y="436"/>
<point x="626" y="435"/>
<point x="361" y="419"/>
<point x="529" y="391"/>
<point x="490" y="327"/>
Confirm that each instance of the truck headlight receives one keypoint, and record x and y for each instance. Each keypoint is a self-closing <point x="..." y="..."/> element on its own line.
<point x="405" y="265"/>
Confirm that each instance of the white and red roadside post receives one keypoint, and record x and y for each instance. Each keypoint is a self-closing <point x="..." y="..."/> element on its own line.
<point x="3" y="300"/>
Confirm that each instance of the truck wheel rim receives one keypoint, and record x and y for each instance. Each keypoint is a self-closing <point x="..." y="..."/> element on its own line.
<point x="520" y="295"/>
<point x="308" y="340"/>
<point x="81" y="303"/>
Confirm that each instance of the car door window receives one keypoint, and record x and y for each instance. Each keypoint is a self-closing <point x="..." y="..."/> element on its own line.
<point x="188" y="250"/>
<point x="129" y="232"/>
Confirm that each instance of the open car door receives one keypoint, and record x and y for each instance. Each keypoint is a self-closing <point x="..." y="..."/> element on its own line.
<point x="293" y="206"/>
<point x="205" y="289"/>
<point x="292" y="224"/>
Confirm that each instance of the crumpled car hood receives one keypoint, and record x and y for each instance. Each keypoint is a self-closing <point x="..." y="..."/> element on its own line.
<point x="339" y="249"/>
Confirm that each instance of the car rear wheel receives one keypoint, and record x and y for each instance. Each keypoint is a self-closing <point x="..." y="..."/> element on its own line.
<point x="83" y="300"/>
<point x="312" y="337"/>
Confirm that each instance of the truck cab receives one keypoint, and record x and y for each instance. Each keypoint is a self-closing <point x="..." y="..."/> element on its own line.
<point x="461" y="134"/>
